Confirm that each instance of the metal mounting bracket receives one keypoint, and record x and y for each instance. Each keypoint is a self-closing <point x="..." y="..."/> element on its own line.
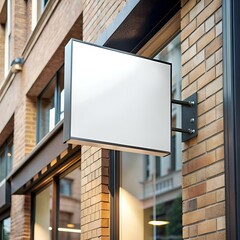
<point x="189" y="117"/>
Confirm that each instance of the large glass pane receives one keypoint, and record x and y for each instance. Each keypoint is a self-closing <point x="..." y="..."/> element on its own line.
<point x="69" y="210"/>
<point x="5" y="229"/>
<point x="47" y="110"/>
<point x="61" y="92"/>
<point x="172" y="53"/>
<point x="9" y="156"/>
<point x="42" y="223"/>
<point x="2" y="165"/>
<point x="142" y="201"/>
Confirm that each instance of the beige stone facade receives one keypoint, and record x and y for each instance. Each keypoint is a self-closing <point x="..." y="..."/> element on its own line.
<point x="42" y="48"/>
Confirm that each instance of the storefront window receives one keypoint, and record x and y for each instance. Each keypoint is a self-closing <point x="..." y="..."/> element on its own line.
<point x="51" y="105"/>
<point x="5" y="229"/>
<point x="150" y="202"/>
<point x="69" y="213"/>
<point x="43" y="208"/>
<point x="57" y="209"/>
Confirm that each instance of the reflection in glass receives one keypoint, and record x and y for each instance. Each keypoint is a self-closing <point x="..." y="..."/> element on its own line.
<point x="172" y="53"/>
<point x="2" y="165"/>
<point x="5" y="229"/>
<point x="6" y="158"/>
<point x="142" y="201"/>
<point x="69" y="207"/>
<point x="61" y="92"/>
<point x="51" y="104"/>
<point x="47" y="110"/>
<point x="9" y="156"/>
<point x="42" y="223"/>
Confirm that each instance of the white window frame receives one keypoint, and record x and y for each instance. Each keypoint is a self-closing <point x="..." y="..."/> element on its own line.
<point x="8" y="24"/>
<point x="38" y="7"/>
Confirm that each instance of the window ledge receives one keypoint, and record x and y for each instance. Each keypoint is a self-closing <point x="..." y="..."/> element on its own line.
<point x="6" y="83"/>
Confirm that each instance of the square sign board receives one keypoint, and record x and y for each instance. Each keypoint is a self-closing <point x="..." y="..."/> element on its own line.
<point x="116" y="100"/>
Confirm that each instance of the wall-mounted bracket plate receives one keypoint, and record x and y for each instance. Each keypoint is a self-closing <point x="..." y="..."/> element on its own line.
<point x="189" y="118"/>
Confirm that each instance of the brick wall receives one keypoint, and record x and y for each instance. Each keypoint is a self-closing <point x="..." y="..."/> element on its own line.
<point x="203" y="157"/>
<point x="20" y="217"/>
<point x="95" y="206"/>
<point x="24" y="141"/>
<point x="24" y="130"/>
<point x="19" y="27"/>
<point x="98" y="15"/>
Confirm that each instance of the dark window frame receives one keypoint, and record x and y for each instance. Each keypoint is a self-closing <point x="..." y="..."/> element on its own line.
<point x="55" y="182"/>
<point x="4" y="217"/>
<point x="231" y="99"/>
<point x="4" y="149"/>
<point x="56" y="99"/>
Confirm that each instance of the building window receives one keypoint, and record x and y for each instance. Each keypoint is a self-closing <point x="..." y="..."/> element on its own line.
<point x="51" y="105"/>
<point x="6" y="158"/>
<point x="5" y="229"/>
<point x="43" y="208"/>
<point x="57" y="209"/>
<point x="7" y="52"/>
<point x="38" y="7"/>
<point x="66" y="187"/>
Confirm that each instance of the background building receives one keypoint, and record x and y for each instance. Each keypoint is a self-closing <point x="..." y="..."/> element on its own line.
<point x="53" y="190"/>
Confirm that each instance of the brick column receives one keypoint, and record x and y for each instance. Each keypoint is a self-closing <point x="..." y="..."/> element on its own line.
<point x="97" y="16"/>
<point x="19" y="27"/>
<point x="24" y="141"/>
<point x="95" y="206"/>
<point x="203" y="156"/>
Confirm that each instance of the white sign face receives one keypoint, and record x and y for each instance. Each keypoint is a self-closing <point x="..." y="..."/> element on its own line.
<point x="116" y="100"/>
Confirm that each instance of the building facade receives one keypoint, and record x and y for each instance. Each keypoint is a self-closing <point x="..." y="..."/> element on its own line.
<point x="53" y="190"/>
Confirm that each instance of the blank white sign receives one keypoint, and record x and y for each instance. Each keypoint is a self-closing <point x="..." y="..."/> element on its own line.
<point x="116" y="100"/>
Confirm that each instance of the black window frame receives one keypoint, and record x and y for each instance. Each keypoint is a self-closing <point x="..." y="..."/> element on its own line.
<point x="56" y="99"/>
<point x="4" y="217"/>
<point x="4" y="149"/>
<point x="231" y="99"/>
<point x="56" y="195"/>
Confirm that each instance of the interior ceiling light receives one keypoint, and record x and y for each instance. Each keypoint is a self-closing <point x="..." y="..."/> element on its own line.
<point x="72" y="230"/>
<point x="70" y="225"/>
<point x="158" y="223"/>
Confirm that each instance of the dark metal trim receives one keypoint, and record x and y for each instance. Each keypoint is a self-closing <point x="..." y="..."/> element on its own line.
<point x="4" y="215"/>
<point x="231" y="100"/>
<point x="55" y="208"/>
<point x="32" y="217"/>
<point x="48" y="149"/>
<point x="114" y="186"/>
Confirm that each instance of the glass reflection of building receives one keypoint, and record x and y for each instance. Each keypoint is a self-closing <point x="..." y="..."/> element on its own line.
<point x="66" y="202"/>
<point x="150" y="186"/>
<point x="5" y="227"/>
